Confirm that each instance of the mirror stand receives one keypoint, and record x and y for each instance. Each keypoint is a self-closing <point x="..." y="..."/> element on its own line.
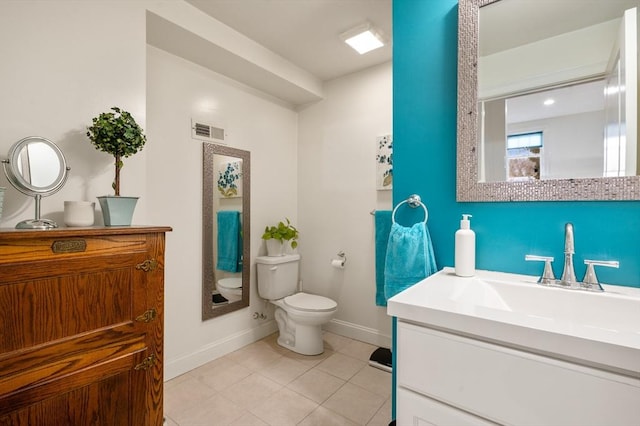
<point x="37" y="168"/>
<point x="38" y="222"/>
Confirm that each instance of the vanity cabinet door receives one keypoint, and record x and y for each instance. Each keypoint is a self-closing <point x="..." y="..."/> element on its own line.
<point x="416" y="409"/>
<point x="81" y="322"/>
<point x="510" y="386"/>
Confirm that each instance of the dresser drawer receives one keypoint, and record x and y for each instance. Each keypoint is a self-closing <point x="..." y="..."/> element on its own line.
<point x="45" y="371"/>
<point x="39" y="306"/>
<point x="68" y="247"/>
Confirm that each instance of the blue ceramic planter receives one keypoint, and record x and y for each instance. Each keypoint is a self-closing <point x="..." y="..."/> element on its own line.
<point x="117" y="211"/>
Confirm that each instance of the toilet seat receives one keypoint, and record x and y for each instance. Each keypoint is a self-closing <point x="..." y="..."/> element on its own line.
<point x="310" y="302"/>
<point x="230" y="283"/>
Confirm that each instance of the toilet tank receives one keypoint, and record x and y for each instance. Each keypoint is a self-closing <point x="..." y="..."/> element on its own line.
<point x="277" y="276"/>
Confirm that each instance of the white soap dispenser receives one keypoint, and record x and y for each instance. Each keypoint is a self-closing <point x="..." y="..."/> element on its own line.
<point x="465" y="259"/>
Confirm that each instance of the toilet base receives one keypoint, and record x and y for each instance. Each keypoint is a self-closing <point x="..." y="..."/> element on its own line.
<point x="307" y="340"/>
<point x="300" y="331"/>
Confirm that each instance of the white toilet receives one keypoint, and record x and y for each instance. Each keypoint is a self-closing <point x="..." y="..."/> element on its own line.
<point x="299" y="315"/>
<point x="230" y="288"/>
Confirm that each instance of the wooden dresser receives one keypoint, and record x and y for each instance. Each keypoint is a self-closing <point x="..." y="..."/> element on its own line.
<point x="81" y="326"/>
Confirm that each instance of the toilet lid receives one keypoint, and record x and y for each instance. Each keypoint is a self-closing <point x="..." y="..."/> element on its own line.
<point x="310" y="302"/>
<point x="230" y="283"/>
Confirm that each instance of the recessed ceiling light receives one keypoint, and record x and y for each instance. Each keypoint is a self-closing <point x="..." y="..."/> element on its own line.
<point x="363" y="38"/>
<point x="613" y="90"/>
<point x="549" y="101"/>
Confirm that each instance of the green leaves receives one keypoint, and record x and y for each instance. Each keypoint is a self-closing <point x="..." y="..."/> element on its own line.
<point x="118" y="134"/>
<point x="282" y="232"/>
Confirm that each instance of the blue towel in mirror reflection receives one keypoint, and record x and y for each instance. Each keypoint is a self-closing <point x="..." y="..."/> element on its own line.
<point x="229" y="241"/>
<point x="409" y="257"/>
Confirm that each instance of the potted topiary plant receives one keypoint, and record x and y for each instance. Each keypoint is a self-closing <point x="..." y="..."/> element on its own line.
<point x="275" y="236"/>
<point x="118" y="134"/>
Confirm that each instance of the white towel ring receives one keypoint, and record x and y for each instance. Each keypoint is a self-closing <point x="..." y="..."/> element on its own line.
<point x="413" y="201"/>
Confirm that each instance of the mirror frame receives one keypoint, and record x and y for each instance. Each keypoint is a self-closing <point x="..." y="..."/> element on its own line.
<point x="467" y="186"/>
<point x="17" y="180"/>
<point x="208" y="218"/>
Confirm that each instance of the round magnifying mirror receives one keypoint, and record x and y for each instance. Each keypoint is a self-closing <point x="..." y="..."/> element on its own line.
<point x="36" y="167"/>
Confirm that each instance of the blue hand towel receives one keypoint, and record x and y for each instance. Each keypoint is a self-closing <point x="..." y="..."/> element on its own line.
<point x="383" y="226"/>
<point x="229" y="241"/>
<point x="409" y="258"/>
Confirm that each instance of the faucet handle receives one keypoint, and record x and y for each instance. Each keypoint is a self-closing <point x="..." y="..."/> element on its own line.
<point x="590" y="278"/>
<point x="547" y="275"/>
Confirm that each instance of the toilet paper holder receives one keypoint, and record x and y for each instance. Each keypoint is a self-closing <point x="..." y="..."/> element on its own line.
<point x="342" y="259"/>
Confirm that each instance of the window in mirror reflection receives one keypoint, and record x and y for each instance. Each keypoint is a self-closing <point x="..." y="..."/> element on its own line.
<point x="523" y="156"/>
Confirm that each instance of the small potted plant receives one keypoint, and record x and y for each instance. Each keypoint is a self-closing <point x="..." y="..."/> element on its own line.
<point x="275" y="236"/>
<point x="118" y="134"/>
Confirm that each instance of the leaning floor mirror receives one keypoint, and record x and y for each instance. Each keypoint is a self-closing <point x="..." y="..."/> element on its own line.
<point x="226" y="229"/>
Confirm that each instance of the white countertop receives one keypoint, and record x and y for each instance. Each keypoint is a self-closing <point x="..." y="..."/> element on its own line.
<point x="595" y="329"/>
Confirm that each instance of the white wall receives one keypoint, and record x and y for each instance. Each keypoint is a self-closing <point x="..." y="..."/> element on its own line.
<point x="494" y="141"/>
<point x="63" y="63"/>
<point x="177" y="91"/>
<point x="337" y="190"/>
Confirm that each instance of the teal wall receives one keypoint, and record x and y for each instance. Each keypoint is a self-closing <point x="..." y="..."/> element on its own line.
<point x="424" y="128"/>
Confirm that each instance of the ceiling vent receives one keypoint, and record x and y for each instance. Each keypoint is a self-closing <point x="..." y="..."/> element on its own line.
<point x="207" y="132"/>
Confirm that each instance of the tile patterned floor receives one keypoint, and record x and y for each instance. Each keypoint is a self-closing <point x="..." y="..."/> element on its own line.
<point x="265" y="384"/>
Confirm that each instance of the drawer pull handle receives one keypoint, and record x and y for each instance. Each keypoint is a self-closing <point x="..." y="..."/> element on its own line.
<point x="148" y="316"/>
<point x="69" y="246"/>
<point x="148" y="265"/>
<point x="147" y="363"/>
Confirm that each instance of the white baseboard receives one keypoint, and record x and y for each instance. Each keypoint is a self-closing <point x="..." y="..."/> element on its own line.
<point x="217" y="349"/>
<point x="358" y="332"/>
<point x="176" y="367"/>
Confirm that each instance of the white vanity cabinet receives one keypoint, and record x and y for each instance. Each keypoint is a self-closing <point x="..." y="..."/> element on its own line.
<point x="470" y="351"/>
<point x="445" y="379"/>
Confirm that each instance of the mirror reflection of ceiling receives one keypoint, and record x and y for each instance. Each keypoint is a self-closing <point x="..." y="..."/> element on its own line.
<point x="568" y="100"/>
<point x="518" y="22"/>
<point x="526" y="45"/>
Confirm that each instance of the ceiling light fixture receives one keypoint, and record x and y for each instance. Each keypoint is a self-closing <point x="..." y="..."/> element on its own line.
<point x="549" y="102"/>
<point x="364" y="38"/>
<point x="613" y="90"/>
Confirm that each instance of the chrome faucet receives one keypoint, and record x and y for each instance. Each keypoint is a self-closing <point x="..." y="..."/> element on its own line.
<point x="568" y="273"/>
<point x="568" y="279"/>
